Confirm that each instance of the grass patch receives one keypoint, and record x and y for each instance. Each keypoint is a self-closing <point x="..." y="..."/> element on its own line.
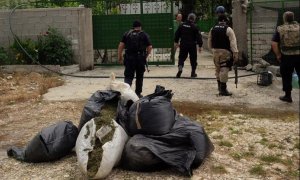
<point x="258" y="170"/>
<point x="272" y="146"/>
<point x="264" y="141"/>
<point x="225" y="143"/>
<point x="243" y="155"/>
<point x="218" y="137"/>
<point x="270" y="159"/>
<point x="234" y="131"/>
<point x="218" y="169"/>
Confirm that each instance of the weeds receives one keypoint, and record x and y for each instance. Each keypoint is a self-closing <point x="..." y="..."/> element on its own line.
<point x="219" y="169"/>
<point x="257" y="170"/>
<point x="225" y="143"/>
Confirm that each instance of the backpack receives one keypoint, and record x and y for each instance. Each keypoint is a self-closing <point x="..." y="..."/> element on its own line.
<point x="289" y="38"/>
<point x="134" y="41"/>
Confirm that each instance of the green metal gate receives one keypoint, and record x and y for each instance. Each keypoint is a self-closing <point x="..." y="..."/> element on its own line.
<point x="157" y="21"/>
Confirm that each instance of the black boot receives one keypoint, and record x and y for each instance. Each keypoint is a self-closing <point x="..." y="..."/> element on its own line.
<point x="179" y="71"/>
<point x="219" y="85"/>
<point x="223" y="90"/>
<point x="287" y="97"/>
<point x="193" y="73"/>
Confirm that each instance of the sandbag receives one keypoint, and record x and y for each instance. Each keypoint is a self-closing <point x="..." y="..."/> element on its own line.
<point x="185" y="147"/>
<point x="52" y="143"/>
<point x="111" y="150"/>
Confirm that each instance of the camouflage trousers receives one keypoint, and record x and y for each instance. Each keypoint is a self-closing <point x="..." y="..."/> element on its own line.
<point x="221" y="57"/>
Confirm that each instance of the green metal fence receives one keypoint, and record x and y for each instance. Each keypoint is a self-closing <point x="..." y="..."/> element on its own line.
<point x="263" y="18"/>
<point x="156" y="18"/>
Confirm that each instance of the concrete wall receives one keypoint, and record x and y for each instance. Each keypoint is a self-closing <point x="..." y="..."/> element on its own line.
<point x="74" y="23"/>
<point x="263" y="27"/>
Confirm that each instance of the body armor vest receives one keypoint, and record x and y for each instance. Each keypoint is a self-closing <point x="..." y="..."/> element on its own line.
<point x="289" y="38"/>
<point x="219" y="38"/>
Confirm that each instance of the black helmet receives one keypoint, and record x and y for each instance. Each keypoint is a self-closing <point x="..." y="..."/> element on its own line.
<point x="220" y="10"/>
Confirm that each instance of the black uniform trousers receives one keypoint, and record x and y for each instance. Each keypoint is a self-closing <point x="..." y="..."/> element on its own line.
<point x="287" y="66"/>
<point x="135" y="64"/>
<point x="185" y="50"/>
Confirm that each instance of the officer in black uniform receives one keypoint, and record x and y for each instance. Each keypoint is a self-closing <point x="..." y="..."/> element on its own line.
<point x="137" y="47"/>
<point x="189" y="36"/>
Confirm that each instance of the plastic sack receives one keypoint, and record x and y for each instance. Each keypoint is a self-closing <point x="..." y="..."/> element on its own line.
<point x="112" y="150"/>
<point x="184" y="148"/>
<point x="52" y="143"/>
<point x="152" y="114"/>
<point x="93" y="106"/>
<point x="126" y="92"/>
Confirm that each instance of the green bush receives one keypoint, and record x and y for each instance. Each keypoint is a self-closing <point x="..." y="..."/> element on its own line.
<point x="3" y="57"/>
<point x="54" y="48"/>
<point x="20" y="56"/>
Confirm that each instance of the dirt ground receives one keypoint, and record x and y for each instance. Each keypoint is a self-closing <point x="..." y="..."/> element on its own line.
<point x="255" y="135"/>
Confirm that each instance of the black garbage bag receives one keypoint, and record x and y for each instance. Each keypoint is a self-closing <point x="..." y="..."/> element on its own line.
<point x="137" y="157"/>
<point x="184" y="148"/>
<point x="152" y="114"/>
<point x="93" y="107"/>
<point x="52" y="143"/>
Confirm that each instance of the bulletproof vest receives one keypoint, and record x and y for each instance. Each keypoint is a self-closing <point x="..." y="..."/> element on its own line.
<point x="219" y="38"/>
<point x="188" y="35"/>
<point x="134" y="43"/>
<point x="289" y="38"/>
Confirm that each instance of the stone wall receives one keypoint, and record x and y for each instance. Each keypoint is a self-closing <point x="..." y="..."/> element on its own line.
<point x="74" y="23"/>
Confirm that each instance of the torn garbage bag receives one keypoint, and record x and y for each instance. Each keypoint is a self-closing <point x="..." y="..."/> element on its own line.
<point x="93" y="107"/>
<point x="99" y="148"/>
<point x="185" y="147"/>
<point x="50" y="144"/>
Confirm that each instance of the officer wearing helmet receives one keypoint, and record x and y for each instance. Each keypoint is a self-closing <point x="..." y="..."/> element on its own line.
<point x="189" y="37"/>
<point x="286" y="46"/>
<point x="137" y="47"/>
<point x="222" y="41"/>
<point x="221" y="11"/>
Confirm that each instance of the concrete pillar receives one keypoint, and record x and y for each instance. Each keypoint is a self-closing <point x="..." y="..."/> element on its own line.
<point x="86" y="40"/>
<point x="239" y="20"/>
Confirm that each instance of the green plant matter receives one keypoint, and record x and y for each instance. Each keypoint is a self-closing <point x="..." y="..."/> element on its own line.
<point x="271" y="159"/>
<point x="219" y="169"/>
<point x="54" y="48"/>
<point x="108" y="112"/>
<point x="258" y="170"/>
<point x="3" y="56"/>
<point x="225" y="143"/>
<point x="20" y="56"/>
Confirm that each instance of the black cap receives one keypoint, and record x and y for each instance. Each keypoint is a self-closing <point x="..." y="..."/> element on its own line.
<point x="136" y="23"/>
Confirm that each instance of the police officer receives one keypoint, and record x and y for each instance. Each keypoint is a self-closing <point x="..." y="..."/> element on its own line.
<point x="137" y="47"/>
<point x="220" y="10"/>
<point x="286" y="46"/>
<point x="189" y="36"/>
<point x="222" y="40"/>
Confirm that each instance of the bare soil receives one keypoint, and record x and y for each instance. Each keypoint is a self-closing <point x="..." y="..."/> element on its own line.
<point x="250" y="143"/>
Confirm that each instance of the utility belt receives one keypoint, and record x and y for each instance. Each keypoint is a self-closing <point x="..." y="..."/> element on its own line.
<point x="135" y="53"/>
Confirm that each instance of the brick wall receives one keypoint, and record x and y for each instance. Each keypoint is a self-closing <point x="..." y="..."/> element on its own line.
<point x="74" y="23"/>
